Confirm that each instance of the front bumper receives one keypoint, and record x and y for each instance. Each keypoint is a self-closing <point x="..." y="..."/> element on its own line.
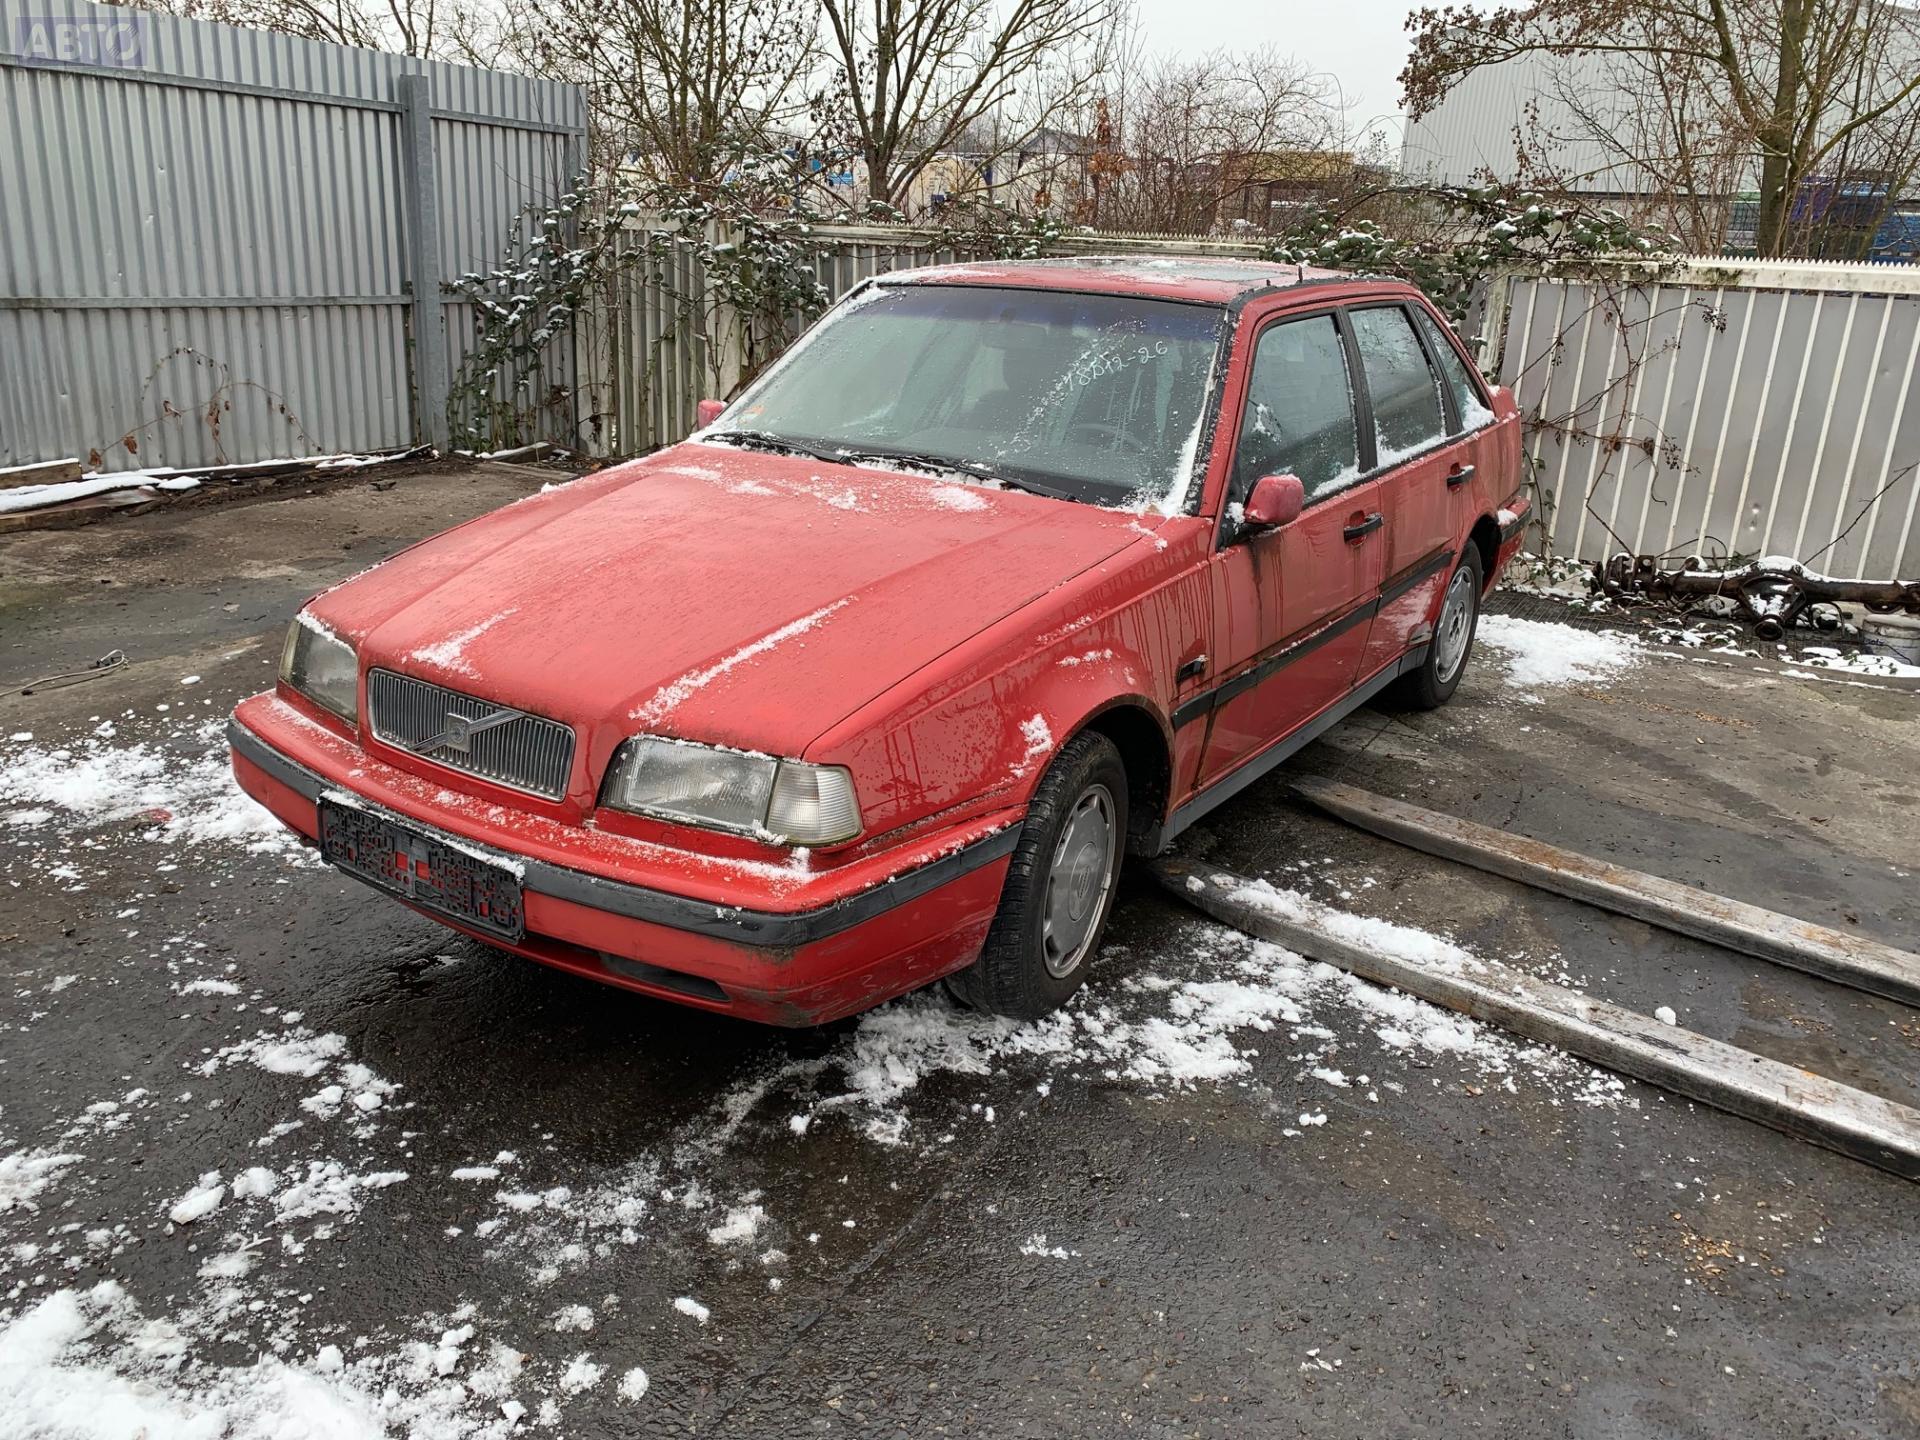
<point x="745" y="939"/>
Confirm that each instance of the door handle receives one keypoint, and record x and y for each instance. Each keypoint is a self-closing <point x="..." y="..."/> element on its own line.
<point x="1458" y="476"/>
<point x="1356" y="533"/>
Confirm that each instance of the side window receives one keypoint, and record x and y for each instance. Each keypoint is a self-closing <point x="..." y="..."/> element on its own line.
<point x="1299" y="417"/>
<point x="1407" y="416"/>
<point x="1472" y="409"/>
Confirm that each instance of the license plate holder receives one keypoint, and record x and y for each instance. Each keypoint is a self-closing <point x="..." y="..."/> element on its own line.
<point x="404" y="862"/>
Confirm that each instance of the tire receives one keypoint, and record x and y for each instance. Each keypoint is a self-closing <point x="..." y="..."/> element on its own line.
<point x="1433" y="684"/>
<point x="1028" y="968"/>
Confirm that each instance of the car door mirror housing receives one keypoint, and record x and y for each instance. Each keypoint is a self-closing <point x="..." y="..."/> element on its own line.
<point x="1276" y="500"/>
<point x="708" y="411"/>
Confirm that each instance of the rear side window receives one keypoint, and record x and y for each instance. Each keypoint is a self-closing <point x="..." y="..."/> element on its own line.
<point x="1466" y="395"/>
<point x="1299" y="416"/>
<point x="1407" y="415"/>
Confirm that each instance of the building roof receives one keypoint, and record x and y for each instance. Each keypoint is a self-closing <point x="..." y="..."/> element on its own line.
<point x="1219" y="279"/>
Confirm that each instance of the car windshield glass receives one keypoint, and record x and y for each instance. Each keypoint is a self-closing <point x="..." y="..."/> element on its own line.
<point x="1090" y="397"/>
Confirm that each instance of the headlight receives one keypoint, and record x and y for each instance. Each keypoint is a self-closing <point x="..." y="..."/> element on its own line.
<point x="322" y="667"/>
<point x="786" y="801"/>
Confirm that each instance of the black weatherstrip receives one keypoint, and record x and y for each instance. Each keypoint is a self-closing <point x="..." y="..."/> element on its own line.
<point x="759" y="928"/>
<point x="1196" y="707"/>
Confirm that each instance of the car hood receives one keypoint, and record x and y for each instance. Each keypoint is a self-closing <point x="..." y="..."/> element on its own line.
<point x="715" y="594"/>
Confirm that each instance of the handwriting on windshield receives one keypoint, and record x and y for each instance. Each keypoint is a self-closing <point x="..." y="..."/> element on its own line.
<point x="1089" y="368"/>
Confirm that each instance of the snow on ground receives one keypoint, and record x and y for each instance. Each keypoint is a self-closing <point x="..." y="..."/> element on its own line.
<point x="87" y="1362"/>
<point x="326" y="1154"/>
<point x="26" y="1173"/>
<point x="177" y="787"/>
<point x="1541" y="653"/>
<point x="1557" y="578"/>
<point x="37" y="497"/>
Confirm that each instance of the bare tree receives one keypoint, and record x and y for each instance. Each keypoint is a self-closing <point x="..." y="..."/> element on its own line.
<point x="1789" y="89"/>
<point x="1181" y="138"/>
<point x="683" y="91"/>
<point x="431" y="29"/>
<point x="907" y="78"/>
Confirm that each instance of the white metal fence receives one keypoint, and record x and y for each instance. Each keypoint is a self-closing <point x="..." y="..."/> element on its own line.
<point x="220" y="244"/>
<point x="1721" y="407"/>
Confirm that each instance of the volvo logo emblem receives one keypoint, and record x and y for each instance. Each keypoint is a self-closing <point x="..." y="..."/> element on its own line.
<point x="457" y="731"/>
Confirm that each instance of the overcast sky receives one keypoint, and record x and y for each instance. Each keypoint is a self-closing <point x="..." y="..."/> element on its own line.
<point x="1361" y="43"/>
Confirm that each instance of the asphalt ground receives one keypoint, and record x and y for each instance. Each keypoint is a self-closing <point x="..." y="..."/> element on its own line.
<point x="1229" y="1194"/>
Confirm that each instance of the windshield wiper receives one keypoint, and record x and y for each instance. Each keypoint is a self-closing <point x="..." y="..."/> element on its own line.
<point x="767" y="440"/>
<point x="944" y="464"/>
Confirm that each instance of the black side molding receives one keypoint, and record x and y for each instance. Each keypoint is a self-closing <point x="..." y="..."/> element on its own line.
<point x="1194" y="707"/>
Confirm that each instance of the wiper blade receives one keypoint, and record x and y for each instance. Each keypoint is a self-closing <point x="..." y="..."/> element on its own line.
<point x="767" y="440"/>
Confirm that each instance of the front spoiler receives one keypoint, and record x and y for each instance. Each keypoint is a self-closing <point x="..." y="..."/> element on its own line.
<point x="760" y="929"/>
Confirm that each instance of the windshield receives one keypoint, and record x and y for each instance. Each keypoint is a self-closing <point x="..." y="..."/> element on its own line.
<point x="1088" y="397"/>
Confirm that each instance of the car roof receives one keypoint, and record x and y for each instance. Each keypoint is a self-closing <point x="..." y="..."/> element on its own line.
<point x="1210" y="278"/>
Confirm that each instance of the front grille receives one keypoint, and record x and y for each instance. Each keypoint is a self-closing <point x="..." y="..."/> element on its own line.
<point x="525" y="752"/>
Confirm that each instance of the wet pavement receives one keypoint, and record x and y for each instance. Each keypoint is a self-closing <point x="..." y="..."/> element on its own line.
<point x="1229" y="1194"/>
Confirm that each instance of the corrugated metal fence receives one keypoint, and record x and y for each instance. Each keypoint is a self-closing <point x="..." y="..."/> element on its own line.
<point x="220" y="244"/>
<point x="1715" y="407"/>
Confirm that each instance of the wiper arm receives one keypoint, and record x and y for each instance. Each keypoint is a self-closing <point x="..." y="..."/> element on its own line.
<point x="942" y="463"/>
<point x="767" y="440"/>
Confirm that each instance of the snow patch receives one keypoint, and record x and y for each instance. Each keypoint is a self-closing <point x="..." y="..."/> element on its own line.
<point x="672" y="696"/>
<point x="1544" y="653"/>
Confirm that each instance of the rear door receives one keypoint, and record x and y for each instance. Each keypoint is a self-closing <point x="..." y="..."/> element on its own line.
<point x="1478" y="477"/>
<point x="1417" y="464"/>
<point x="1291" y="604"/>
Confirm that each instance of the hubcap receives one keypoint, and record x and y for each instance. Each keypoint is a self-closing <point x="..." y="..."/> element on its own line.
<point x="1078" y="881"/>
<point x="1456" y="625"/>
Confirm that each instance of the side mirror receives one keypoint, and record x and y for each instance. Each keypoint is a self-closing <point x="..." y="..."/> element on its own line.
<point x="1276" y="500"/>
<point x="708" y="411"/>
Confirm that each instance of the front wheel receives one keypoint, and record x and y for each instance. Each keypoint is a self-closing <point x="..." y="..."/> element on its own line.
<point x="1060" y="887"/>
<point x="1438" y="675"/>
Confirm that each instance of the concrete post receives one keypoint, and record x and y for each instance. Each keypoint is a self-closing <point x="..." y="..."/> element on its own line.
<point x="431" y="382"/>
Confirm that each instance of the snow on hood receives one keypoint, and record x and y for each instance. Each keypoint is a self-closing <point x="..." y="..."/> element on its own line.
<point x="715" y="594"/>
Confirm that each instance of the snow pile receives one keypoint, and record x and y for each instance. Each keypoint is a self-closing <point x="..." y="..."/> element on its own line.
<point x="1167" y="1034"/>
<point x="38" y="497"/>
<point x="1857" y="662"/>
<point x="88" y="1363"/>
<point x="191" y="800"/>
<point x="1542" y="653"/>
<point x="1719" y="638"/>
<point x="26" y="1173"/>
<point x="957" y="497"/>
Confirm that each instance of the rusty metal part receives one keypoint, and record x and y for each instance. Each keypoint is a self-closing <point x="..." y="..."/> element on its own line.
<point x="1851" y="960"/>
<point x="1772" y="593"/>
<point x="1807" y="1106"/>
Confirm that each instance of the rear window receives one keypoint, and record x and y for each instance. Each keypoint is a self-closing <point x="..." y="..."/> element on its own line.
<point x="1407" y="415"/>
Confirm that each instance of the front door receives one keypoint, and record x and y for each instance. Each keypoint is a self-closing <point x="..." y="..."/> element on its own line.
<point x="1291" y="604"/>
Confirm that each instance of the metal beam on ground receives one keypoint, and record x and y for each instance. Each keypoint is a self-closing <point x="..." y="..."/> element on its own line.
<point x="1797" y="1102"/>
<point x="1851" y="960"/>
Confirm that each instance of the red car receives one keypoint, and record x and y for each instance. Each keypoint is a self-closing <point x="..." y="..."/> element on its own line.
<point x="999" y="573"/>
